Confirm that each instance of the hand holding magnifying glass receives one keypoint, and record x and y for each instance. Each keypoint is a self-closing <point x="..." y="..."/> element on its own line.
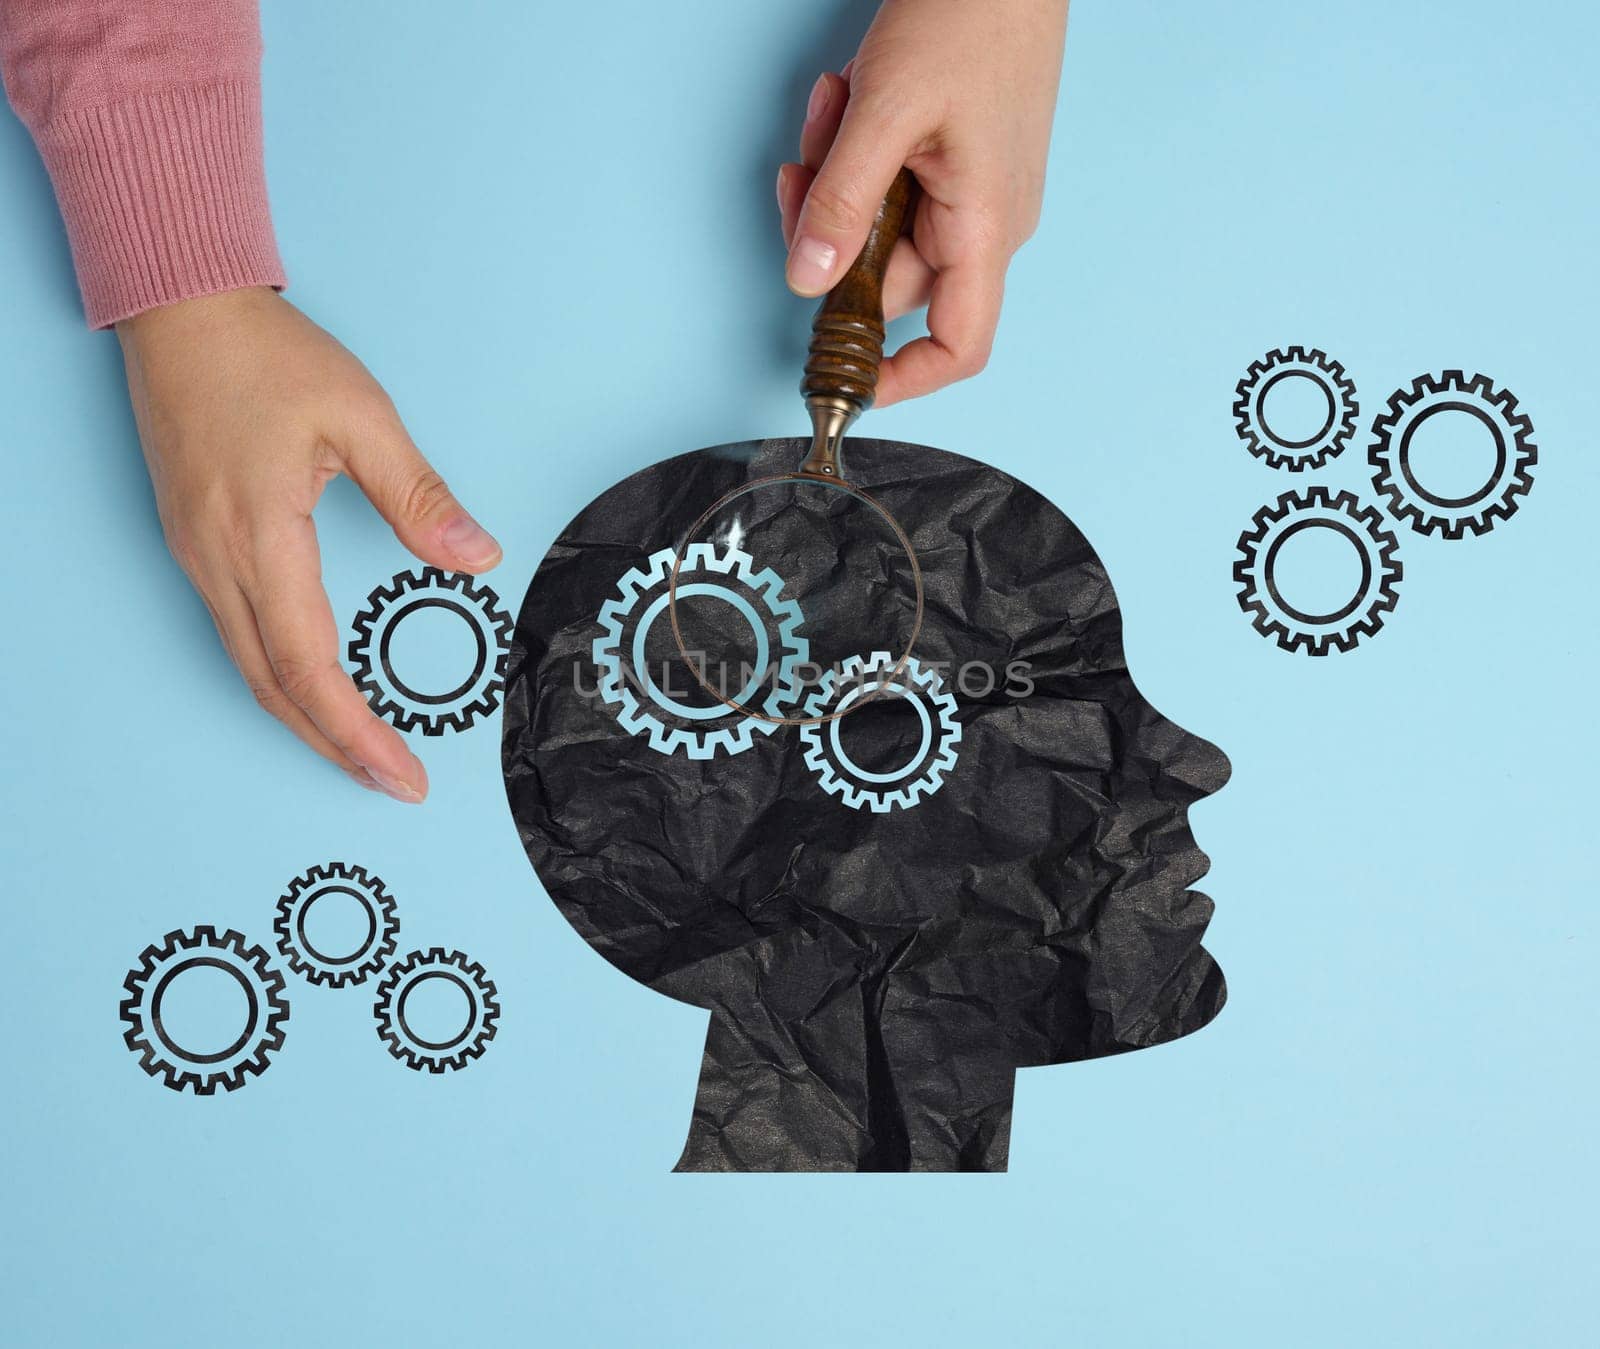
<point x="847" y="561"/>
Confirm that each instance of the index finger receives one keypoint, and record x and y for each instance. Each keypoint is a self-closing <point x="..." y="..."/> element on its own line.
<point x="869" y="148"/>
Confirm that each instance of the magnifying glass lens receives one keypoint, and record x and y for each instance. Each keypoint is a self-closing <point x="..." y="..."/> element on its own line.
<point x="784" y="590"/>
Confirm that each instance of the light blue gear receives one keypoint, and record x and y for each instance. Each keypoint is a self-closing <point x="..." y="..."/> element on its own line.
<point x="642" y="587"/>
<point x="919" y="778"/>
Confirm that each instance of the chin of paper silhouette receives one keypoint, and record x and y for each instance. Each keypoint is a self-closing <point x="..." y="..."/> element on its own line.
<point x="876" y="967"/>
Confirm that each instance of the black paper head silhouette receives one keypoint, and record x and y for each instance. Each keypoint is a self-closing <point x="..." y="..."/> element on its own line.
<point x="984" y="867"/>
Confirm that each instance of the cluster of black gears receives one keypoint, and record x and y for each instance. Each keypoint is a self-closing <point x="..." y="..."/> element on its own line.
<point x="431" y="711"/>
<point x="267" y="1008"/>
<point x="1394" y="481"/>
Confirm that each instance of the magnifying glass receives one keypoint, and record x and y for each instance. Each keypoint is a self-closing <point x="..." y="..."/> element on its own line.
<point x="810" y="540"/>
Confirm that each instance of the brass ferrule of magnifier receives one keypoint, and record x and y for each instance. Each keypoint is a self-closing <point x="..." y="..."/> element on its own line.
<point x="831" y="418"/>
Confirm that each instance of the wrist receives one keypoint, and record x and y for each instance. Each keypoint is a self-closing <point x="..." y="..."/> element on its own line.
<point x="200" y="311"/>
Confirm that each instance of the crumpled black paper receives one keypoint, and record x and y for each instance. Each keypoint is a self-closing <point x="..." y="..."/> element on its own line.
<point x="875" y="978"/>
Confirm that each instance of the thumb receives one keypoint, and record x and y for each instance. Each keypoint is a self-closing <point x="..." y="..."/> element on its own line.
<point x="415" y="500"/>
<point x="845" y="195"/>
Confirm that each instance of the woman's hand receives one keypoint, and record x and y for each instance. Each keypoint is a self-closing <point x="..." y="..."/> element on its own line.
<point x="246" y="409"/>
<point x="963" y="93"/>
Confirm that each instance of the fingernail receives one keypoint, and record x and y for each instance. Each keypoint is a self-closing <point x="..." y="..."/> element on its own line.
<point x="811" y="265"/>
<point x="817" y="104"/>
<point x="783" y="177"/>
<point x="395" y="787"/>
<point x="470" y="542"/>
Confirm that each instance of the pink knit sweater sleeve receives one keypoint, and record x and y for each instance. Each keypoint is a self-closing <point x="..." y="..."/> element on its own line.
<point x="148" y="116"/>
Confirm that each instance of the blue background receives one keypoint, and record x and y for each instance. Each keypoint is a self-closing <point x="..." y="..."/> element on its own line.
<point x="507" y="210"/>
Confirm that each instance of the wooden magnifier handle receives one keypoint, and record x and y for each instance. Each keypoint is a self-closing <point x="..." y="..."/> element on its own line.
<point x="841" y="377"/>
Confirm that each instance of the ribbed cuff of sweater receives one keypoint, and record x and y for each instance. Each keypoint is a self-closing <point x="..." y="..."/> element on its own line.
<point x="164" y="197"/>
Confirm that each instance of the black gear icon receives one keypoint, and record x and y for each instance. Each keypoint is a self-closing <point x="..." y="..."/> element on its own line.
<point x="1292" y="628"/>
<point x="159" y="1054"/>
<point x="389" y="695"/>
<point x="336" y="878"/>
<point x="390" y="1010"/>
<point x="1278" y="451"/>
<point x="1390" y="456"/>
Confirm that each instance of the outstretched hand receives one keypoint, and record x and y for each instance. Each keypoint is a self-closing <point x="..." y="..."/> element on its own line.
<point x="246" y="409"/>
<point x="963" y="93"/>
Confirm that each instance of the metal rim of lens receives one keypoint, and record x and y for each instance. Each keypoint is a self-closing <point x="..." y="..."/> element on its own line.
<point x="779" y="479"/>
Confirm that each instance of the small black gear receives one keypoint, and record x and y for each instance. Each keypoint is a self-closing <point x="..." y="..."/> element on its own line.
<point x="159" y="1054"/>
<point x="1292" y="628"/>
<point x="397" y="986"/>
<point x="413" y="709"/>
<point x="336" y="878"/>
<point x="1278" y="451"/>
<point x="1390" y="456"/>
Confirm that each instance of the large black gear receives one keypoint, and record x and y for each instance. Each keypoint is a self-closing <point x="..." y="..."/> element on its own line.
<point x="1426" y="511"/>
<point x="383" y="925"/>
<point x="412" y="709"/>
<point x="390" y="1010"/>
<point x="160" y="1055"/>
<point x="1292" y="628"/>
<point x="1265" y="443"/>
